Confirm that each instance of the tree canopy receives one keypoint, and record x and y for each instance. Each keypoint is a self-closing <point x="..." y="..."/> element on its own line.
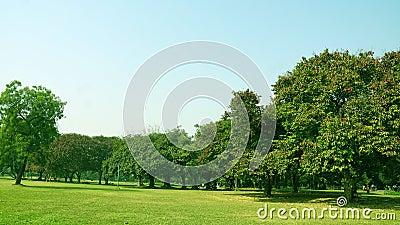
<point x="28" y="122"/>
<point x="330" y="110"/>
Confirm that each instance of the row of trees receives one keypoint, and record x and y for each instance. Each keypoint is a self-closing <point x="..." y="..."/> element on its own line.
<point x="72" y="154"/>
<point x="337" y="124"/>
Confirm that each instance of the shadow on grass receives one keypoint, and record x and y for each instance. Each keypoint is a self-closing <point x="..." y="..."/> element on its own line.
<point x="92" y="187"/>
<point x="102" y="187"/>
<point x="373" y="200"/>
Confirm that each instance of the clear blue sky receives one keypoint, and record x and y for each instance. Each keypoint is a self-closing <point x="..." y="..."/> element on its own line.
<point x="87" y="51"/>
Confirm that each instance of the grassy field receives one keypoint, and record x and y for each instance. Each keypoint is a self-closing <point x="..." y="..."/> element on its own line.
<point x="63" y="203"/>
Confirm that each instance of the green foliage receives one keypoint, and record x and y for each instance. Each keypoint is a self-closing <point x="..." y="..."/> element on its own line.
<point x="69" y="154"/>
<point x="28" y="122"/>
<point x="74" y="154"/>
<point x="340" y="112"/>
<point x="121" y="157"/>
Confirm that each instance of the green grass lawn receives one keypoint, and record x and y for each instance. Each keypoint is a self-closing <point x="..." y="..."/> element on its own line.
<point x="63" y="203"/>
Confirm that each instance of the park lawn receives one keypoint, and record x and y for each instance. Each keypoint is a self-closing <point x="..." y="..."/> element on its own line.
<point x="64" y="203"/>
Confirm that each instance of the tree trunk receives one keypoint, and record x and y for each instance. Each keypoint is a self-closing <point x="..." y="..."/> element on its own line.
<point x="140" y="180"/>
<point x="79" y="177"/>
<point x="236" y="183"/>
<point x="106" y="180"/>
<point x="277" y="182"/>
<point x="294" y="182"/>
<point x="268" y="186"/>
<point x="151" y="181"/>
<point x="70" y="178"/>
<point x="167" y="184"/>
<point x="40" y="175"/>
<point x="183" y="178"/>
<point x="230" y="183"/>
<point x="348" y="185"/>
<point x="285" y="181"/>
<point x="100" y="175"/>
<point x="21" y="171"/>
<point x="315" y="182"/>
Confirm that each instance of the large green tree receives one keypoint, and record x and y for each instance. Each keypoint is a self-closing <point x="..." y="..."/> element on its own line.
<point x="212" y="139"/>
<point x="241" y="124"/>
<point x="325" y="108"/>
<point x="28" y="121"/>
<point x="276" y="162"/>
<point x="250" y="101"/>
